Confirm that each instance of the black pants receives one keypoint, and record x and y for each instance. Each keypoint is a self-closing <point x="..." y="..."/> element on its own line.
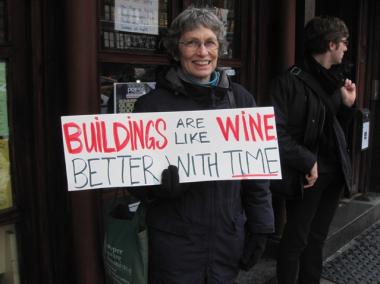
<point x="308" y="220"/>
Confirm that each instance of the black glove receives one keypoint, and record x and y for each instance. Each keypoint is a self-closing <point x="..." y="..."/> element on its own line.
<point x="170" y="186"/>
<point x="253" y="250"/>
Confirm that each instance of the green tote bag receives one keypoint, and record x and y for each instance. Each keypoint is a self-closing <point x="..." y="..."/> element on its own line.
<point x="126" y="245"/>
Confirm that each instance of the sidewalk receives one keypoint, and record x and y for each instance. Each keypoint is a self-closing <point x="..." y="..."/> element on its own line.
<point x="352" y="248"/>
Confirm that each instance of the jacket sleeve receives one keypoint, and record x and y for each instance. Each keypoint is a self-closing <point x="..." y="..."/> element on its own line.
<point x="292" y="152"/>
<point x="257" y="202"/>
<point x="345" y="116"/>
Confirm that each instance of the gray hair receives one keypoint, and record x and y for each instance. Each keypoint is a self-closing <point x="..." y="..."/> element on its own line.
<point x="191" y="19"/>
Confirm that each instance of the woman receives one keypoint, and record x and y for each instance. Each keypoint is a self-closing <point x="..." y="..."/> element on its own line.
<point x="196" y="230"/>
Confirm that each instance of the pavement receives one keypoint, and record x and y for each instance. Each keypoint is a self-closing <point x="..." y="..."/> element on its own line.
<point x="347" y="261"/>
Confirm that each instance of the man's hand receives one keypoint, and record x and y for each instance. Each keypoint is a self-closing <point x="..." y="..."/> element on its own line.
<point x="253" y="250"/>
<point x="311" y="177"/>
<point x="348" y="93"/>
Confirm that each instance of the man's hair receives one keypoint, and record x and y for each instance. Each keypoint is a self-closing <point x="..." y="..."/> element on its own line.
<point x="191" y="19"/>
<point x="320" y="31"/>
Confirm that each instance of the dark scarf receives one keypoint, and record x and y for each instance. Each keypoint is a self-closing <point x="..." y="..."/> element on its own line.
<point x="330" y="79"/>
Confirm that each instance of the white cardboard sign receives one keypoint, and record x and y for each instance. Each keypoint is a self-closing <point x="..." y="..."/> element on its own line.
<point x="132" y="149"/>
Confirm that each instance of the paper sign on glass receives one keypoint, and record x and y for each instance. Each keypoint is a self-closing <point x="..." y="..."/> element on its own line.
<point x="136" y="16"/>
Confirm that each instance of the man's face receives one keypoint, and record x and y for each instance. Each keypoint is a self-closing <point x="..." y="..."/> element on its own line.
<point x="338" y="50"/>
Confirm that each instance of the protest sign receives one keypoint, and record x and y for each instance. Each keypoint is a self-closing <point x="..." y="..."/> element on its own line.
<point x="132" y="149"/>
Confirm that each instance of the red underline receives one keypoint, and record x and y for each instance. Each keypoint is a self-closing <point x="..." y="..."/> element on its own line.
<point x="255" y="175"/>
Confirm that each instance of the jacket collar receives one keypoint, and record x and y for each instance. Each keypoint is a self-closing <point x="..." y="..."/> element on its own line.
<point x="174" y="82"/>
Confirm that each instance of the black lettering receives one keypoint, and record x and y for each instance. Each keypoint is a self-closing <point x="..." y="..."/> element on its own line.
<point x="270" y="161"/>
<point x="180" y="123"/>
<point x="131" y="167"/>
<point x="123" y="157"/>
<point x="80" y="172"/>
<point x="249" y="155"/>
<point x="147" y="162"/>
<point x="108" y="167"/>
<point x="186" y="168"/>
<point x="91" y="173"/>
<point x="184" y="141"/>
<point x="203" y="137"/>
<point x="213" y="164"/>
<point x="231" y="152"/>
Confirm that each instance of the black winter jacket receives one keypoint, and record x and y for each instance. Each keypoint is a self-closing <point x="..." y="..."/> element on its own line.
<point x="214" y="205"/>
<point x="300" y="118"/>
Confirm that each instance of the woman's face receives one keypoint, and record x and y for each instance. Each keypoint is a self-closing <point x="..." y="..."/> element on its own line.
<point x="198" y="53"/>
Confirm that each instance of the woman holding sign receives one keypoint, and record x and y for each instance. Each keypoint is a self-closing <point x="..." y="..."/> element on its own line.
<point x="202" y="232"/>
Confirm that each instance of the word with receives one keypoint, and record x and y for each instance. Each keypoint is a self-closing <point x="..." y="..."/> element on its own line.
<point x="238" y="163"/>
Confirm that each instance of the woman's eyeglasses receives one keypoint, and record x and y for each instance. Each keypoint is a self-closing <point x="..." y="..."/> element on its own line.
<point x="194" y="44"/>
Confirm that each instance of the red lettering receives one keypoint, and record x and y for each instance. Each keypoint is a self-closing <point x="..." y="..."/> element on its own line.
<point x="149" y="141"/>
<point x="98" y="135"/>
<point x="138" y="132"/>
<point x="72" y="138"/>
<point x="160" y="121"/>
<point x="268" y="127"/>
<point x="104" y="137"/>
<point x="93" y="138"/>
<point x="229" y="127"/>
<point x="245" y="126"/>
<point x="255" y="126"/>
<point x="120" y="145"/>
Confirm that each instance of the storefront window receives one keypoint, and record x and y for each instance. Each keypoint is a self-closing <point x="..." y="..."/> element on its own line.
<point x="121" y="84"/>
<point x="132" y="30"/>
<point x="9" y="268"/>
<point x="5" y="182"/>
<point x="133" y="25"/>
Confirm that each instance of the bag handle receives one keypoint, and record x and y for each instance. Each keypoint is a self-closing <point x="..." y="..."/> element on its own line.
<point x="311" y="82"/>
<point x="231" y="95"/>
